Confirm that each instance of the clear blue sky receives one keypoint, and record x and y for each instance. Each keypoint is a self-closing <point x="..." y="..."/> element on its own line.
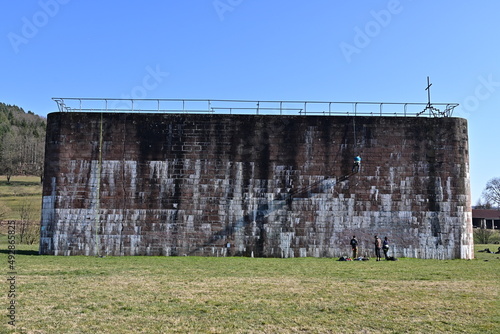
<point x="323" y="50"/>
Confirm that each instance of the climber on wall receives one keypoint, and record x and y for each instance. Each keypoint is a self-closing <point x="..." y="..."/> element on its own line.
<point x="357" y="164"/>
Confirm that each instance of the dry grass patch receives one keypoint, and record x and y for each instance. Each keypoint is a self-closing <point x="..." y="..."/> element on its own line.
<point x="242" y="295"/>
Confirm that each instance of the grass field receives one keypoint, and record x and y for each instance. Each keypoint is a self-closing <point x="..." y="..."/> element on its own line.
<point x="22" y="190"/>
<point x="251" y="295"/>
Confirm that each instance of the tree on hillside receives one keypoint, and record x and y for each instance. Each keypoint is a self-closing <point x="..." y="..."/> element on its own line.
<point x="492" y="192"/>
<point x="31" y="154"/>
<point x="10" y="155"/>
<point x="22" y="142"/>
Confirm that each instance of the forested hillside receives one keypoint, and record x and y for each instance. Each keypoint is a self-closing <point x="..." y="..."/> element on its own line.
<point x="22" y="142"/>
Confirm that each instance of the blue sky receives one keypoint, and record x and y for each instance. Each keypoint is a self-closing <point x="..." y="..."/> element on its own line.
<point x="324" y="50"/>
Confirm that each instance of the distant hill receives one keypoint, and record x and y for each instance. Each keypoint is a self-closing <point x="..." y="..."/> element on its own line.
<point x="14" y="116"/>
<point x="22" y="141"/>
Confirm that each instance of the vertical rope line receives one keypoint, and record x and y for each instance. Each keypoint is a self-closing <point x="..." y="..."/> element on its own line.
<point x="98" y="190"/>
<point x="124" y="190"/>
<point x="354" y="129"/>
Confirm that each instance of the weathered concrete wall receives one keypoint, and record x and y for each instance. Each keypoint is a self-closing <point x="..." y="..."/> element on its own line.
<point x="171" y="184"/>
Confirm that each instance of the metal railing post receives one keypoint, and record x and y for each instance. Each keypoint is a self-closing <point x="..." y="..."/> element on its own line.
<point x="245" y="106"/>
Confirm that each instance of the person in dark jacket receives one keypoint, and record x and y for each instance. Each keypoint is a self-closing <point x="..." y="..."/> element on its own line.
<point x="354" y="246"/>
<point x="385" y="248"/>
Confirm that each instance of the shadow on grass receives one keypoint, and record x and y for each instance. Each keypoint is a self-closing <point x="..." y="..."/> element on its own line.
<point x="18" y="183"/>
<point x="20" y="252"/>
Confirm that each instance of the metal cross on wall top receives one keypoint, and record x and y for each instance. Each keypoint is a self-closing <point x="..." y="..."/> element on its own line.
<point x="433" y="111"/>
<point x="428" y="89"/>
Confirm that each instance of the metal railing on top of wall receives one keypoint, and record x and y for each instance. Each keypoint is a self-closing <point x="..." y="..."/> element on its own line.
<point x="255" y="107"/>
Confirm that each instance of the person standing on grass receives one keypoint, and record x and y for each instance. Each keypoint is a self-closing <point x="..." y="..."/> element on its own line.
<point x="378" y="246"/>
<point x="354" y="246"/>
<point x="385" y="248"/>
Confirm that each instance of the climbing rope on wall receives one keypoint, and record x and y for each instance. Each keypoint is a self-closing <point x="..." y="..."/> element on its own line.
<point x="354" y="131"/>
<point x="98" y="190"/>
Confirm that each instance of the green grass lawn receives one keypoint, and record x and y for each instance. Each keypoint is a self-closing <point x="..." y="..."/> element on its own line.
<point x="252" y="295"/>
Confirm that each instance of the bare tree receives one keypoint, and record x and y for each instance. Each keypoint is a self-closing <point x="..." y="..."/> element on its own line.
<point x="22" y="152"/>
<point x="4" y="211"/>
<point x="28" y="230"/>
<point x="11" y="155"/>
<point x="483" y="235"/>
<point x="33" y="233"/>
<point x="482" y="205"/>
<point x="492" y="192"/>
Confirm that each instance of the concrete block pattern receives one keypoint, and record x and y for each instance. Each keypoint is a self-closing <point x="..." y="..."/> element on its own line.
<point x="254" y="185"/>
